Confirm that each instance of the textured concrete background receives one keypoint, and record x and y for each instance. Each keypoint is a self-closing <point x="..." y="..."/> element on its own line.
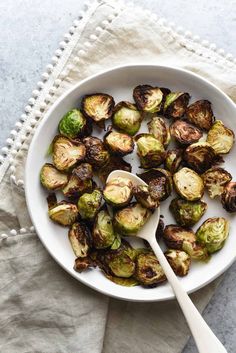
<point x="30" y="31"/>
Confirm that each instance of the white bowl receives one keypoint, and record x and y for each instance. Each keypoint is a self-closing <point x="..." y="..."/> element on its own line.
<point x="119" y="82"/>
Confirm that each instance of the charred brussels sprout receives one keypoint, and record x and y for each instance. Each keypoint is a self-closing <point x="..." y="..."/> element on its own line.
<point x="63" y="213"/>
<point x="96" y="153"/>
<point x="103" y="232"/>
<point x="148" y="98"/>
<point x="185" y="133"/>
<point x="148" y="270"/>
<point x="121" y="265"/>
<point x="118" y="143"/>
<point x="99" y="107"/>
<point x="220" y="138"/>
<point x="76" y="187"/>
<point x="160" y="188"/>
<point x="142" y="195"/>
<point x="83" y="263"/>
<point x="89" y="204"/>
<point x="200" y="156"/>
<point x="196" y="251"/>
<point x="74" y="124"/>
<point x="200" y="114"/>
<point x="151" y="151"/>
<point x="173" y="160"/>
<point x="84" y="171"/>
<point x="215" y="180"/>
<point x="228" y="197"/>
<point x="66" y="153"/>
<point x="188" y="184"/>
<point x="129" y="220"/>
<point x="213" y="233"/>
<point x="187" y="213"/>
<point x="176" y="104"/>
<point x="51" y="178"/>
<point x="80" y="239"/>
<point x="127" y="118"/>
<point x="174" y="236"/>
<point x="179" y="261"/>
<point x="159" y="129"/>
<point x="114" y="163"/>
<point x="118" y="192"/>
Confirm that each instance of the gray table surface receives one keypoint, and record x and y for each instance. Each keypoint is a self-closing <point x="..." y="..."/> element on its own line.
<point x="30" y="31"/>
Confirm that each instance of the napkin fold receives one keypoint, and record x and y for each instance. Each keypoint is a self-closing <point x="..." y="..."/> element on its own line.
<point x="42" y="308"/>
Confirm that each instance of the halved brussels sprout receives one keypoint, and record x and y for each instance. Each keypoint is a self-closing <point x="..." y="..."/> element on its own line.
<point x="188" y="184"/>
<point x="114" y="163"/>
<point x="96" y="153"/>
<point x="63" y="213"/>
<point x="220" y="137"/>
<point x="127" y="118"/>
<point x="118" y="192"/>
<point x="176" y="104"/>
<point x="150" y="150"/>
<point x="118" y="143"/>
<point x="103" y="232"/>
<point x="159" y="129"/>
<point x="174" y="236"/>
<point x="200" y="156"/>
<point x="83" y="263"/>
<point x="196" y="251"/>
<point x="76" y="187"/>
<point x="99" y="107"/>
<point x="84" y="171"/>
<point x="89" y="204"/>
<point x="200" y="114"/>
<point x="129" y="220"/>
<point x="74" y="124"/>
<point x="160" y="188"/>
<point x="215" y="180"/>
<point x="179" y="261"/>
<point x="80" y="239"/>
<point x="148" y="270"/>
<point x="121" y="265"/>
<point x="116" y="243"/>
<point x="148" y="98"/>
<point x="160" y="229"/>
<point x="142" y="195"/>
<point x="228" y="197"/>
<point x="51" y="178"/>
<point x="66" y="153"/>
<point x="173" y="159"/>
<point x="213" y="233"/>
<point x="165" y="92"/>
<point x="185" y="133"/>
<point x="187" y="213"/>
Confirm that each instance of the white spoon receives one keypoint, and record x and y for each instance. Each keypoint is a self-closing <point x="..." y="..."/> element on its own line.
<point x="205" y="339"/>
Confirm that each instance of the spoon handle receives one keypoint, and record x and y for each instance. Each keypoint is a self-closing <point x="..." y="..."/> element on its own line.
<point x="205" y="339"/>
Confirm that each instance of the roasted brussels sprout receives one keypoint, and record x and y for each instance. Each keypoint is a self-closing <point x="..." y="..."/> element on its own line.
<point x="148" y="98"/>
<point x="159" y="129"/>
<point x="187" y="213"/>
<point x="142" y="195"/>
<point x="165" y="92"/>
<point x="220" y="137"/>
<point x="160" y="188"/>
<point x="213" y="233"/>
<point x="89" y="204"/>
<point x="200" y="114"/>
<point x="148" y="270"/>
<point x="214" y="180"/>
<point x="126" y="282"/>
<point x="96" y="153"/>
<point x="200" y="156"/>
<point x="196" y="251"/>
<point x="51" y="178"/>
<point x="103" y="232"/>
<point x="116" y="243"/>
<point x="176" y="104"/>
<point x="160" y="229"/>
<point x="118" y="143"/>
<point x="173" y="160"/>
<point x="76" y="187"/>
<point x="129" y="220"/>
<point x="150" y="150"/>
<point x="174" y="236"/>
<point x="74" y="124"/>
<point x="66" y="153"/>
<point x="84" y="171"/>
<point x="99" y="107"/>
<point x="114" y="163"/>
<point x="63" y="213"/>
<point x="188" y="184"/>
<point x="185" y="133"/>
<point x="228" y="197"/>
<point x="83" y="263"/>
<point x="118" y="192"/>
<point x="121" y="265"/>
<point x="179" y="261"/>
<point x="80" y="239"/>
<point x="127" y="118"/>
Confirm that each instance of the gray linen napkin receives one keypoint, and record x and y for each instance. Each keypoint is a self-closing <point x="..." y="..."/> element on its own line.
<point x="42" y="308"/>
